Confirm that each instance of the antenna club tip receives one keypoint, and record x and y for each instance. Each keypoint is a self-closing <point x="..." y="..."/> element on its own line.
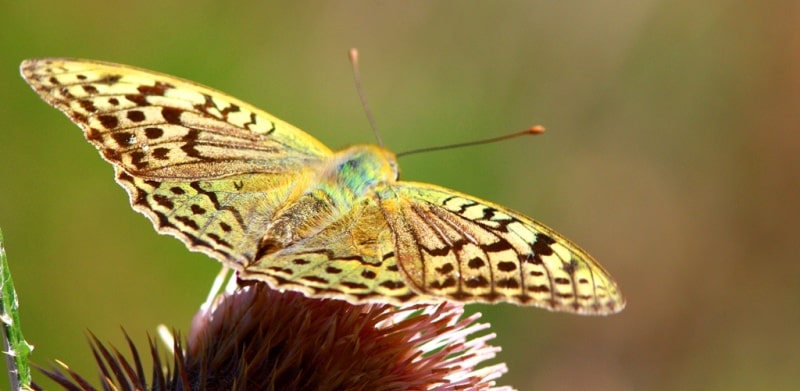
<point x="353" y="53"/>
<point x="536" y="129"/>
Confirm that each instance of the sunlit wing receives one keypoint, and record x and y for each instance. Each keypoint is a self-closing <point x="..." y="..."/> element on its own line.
<point x="204" y="167"/>
<point x="462" y="248"/>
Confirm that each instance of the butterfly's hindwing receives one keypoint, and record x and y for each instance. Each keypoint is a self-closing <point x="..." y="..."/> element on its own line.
<point x="223" y="218"/>
<point x="353" y="257"/>
<point x="466" y="249"/>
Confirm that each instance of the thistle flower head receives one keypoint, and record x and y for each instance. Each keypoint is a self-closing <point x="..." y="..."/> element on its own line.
<point x="256" y="338"/>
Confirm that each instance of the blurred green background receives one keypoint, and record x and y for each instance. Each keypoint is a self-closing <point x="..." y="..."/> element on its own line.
<point x="672" y="154"/>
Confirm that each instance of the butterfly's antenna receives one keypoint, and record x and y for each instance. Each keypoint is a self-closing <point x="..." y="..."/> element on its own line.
<point x="530" y="131"/>
<point x="357" y="79"/>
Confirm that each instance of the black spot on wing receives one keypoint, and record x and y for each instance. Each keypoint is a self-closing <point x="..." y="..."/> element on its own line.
<point x="171" y="115"/>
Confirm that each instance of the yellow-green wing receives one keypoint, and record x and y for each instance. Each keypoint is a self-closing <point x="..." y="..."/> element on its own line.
<point x="462" y="248"/>
<point x="157" y="126"/>
<point x="352" y="258"/>
<point x="204" y="167"/>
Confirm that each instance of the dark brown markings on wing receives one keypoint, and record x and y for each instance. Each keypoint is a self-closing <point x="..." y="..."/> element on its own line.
<point x="219" y="240"/>
<point x="138" y="99"/>
<point x="499" y="245"/>
<point x="113" y="101"/>
<point x="79" y="118"/>
<point x="562" y="281"/>
<point x="354" y="285"/>
<point x="541" y="246"/>
<point x="163" y="201"/>
<point x="316" y="279"/>
<point x="187" y="221"/>
<point x="489" y="215"/>
<point x="281" y="270"/>
<point x="447" y="249"/>
<point x="135" y="115"/>
<point x="253" y="122"/>
<point x="140" y="198"/>
<point x="109" y="154"/>
<point x="108" y="121"/>
<point x="209" y="103"/>
<point x="158" y="89"/>
<point x="392" y="284"/>
<point x="87" y="105"/>
<point x="190" y="142"/>
<point x="359" y="297"/>
<point x="331" y="256"/>
<point x="447" y="283"/>
<point x="569" y="268"/>
<point x="476" y="263"/>
<point x="153" y="132"/>
<point x="161" y="153"/>
<point x="506" y="266"/>
<point x="445" y="269"/>
<point x="217" y="206"/>
<point x="332" y="270"/>
<point x="475" y="281"/>
<point x="387" y="255"/>
<point x="539" y="288"/>
<point x="137" y="159"/>
<point x="163" y="221"/>
<point x="89" y="89"/>
<point x="109" y="79"/>
<point x="123" y="139"/>
<point x="510" y="283"/>
<point x="463" y="208"/>
<point x="368" y="274"/>
<point x="172" y="115"/>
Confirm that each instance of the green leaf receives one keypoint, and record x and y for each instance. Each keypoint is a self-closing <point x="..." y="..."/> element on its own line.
<point x="16" y="349"/>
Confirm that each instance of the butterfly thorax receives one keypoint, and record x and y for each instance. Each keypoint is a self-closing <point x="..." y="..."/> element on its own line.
<point x="338" y="185"/>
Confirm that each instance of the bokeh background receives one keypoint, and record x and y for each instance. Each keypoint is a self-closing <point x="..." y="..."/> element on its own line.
<point x="672" y="154"/>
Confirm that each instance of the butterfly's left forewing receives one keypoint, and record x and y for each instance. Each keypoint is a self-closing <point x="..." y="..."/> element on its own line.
<point x="203" y="166"/>
<point x="161" y="127"/>
<point x="462" y="248"/>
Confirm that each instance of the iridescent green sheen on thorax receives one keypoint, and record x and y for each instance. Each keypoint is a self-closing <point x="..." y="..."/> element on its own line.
<point x="338" y="185"/>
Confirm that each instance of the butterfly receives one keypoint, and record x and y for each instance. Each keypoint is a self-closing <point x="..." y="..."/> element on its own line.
<point x="277" y="205"/>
